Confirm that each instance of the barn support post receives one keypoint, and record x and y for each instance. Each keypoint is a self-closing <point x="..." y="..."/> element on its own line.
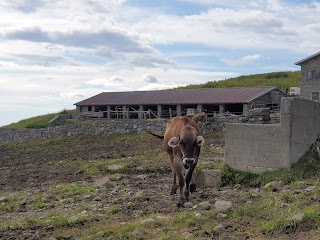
<point x="221" y="109"/>
<point x="140" y="113"/>
<point x="199" y="108"/>
<point x="178" y="110"/>
<point x="109" y="112"/>
<point x="159" y="109"/>
<point x="245" y="108"/>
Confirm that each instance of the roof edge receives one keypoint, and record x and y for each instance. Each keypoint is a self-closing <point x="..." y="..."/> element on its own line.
<point x="307" y="58"/>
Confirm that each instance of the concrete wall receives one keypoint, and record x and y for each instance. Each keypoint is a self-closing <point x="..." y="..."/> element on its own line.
<point x="258" y="148"/>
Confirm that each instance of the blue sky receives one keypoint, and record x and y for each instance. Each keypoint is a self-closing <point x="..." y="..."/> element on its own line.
<point x="56" y="53"/>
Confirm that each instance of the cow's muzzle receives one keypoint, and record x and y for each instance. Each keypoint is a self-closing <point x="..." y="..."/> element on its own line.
<point x="188" y="161"/>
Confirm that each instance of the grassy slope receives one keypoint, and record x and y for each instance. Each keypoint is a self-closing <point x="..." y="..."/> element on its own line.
<point x="282" y="80"/>
<point x="37" y="122"/>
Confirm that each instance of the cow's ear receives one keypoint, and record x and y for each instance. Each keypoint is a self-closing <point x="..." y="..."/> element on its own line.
<point x="173" y="142"/>
<point x="200" y="141"/>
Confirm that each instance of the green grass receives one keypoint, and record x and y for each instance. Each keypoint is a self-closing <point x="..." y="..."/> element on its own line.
<point x="282" y="80"/>
<point x="37" y="122"/>
<point x="308" y="166"/>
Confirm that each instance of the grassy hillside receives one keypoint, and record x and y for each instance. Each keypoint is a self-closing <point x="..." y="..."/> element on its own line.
<point x="37" y="122"/>
<point x="282" y="80"/>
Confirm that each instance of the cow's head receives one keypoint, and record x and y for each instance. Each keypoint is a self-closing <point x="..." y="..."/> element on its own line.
<point x="189" y="143"/>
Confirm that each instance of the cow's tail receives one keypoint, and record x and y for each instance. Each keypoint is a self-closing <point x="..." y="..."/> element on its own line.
<point x="153" y="134"/>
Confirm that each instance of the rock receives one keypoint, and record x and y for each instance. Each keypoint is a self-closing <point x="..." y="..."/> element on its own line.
<point x="136" y="232"/>
<point x="73" y="219"/>
<point x="237" y="186"/>
<point x="273" y="186"/>
<point x="221" y="215"/>
<point x="115" y="167"/>
<point x="204" y="205"/>
<point x="84" y="213"/>
<point x="310" y="188"/>
<point x="187" y="235"/>
<point x="4" y="199"/>
<point x="218" y="228"/>
<point x="162" y="218"/>
<point x="198" y="215"/>
<point x="102" y="181"/>
<point x="98" y="199"/>
<point x="222" y="206"/>
<point x="208" y="178"/>
<point x="147" y="221"/>
<point x="188" y="205"/>
<point x="298" y="217"/>
<point x="301" y="185"/>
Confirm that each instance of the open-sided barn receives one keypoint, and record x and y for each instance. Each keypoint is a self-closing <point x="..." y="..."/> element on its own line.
<point x="174" y="102"/>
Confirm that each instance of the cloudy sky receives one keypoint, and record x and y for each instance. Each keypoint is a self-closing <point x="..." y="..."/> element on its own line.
<point x="55" y="53"/>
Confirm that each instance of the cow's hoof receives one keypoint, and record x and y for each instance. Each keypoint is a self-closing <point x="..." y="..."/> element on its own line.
<point x="193" y="187"/>
<point x="180" y="204"/>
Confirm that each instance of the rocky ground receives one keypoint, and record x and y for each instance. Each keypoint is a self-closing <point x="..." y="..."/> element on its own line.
<point x="117" y="187"/>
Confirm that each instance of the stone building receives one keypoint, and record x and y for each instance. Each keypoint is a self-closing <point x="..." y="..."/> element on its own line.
<point x="175" y="102"/>
<point x="310" y="77"/>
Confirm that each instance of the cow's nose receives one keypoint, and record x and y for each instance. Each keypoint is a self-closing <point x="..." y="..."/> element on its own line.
<point x="188" y="161"/>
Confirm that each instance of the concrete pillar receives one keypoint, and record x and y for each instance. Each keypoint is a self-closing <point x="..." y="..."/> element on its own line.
<point x="159" y="110"/>
<point x="221" y="108"/>
<point x="109" y="112"/>
<point x="199" y="108"/>
<point x="140" y="114"/>
<point x="178" y="110"/>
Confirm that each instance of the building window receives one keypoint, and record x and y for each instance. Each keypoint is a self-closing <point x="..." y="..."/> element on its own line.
<point x="309" y="75"/>
<point x="313" y="74"/>
<point x="315" y="96"/>
<point x="89" y="108"/>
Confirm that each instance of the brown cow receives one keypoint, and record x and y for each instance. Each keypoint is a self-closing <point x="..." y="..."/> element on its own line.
<point x="182" y="142"/>
<point x="201" y="120"/>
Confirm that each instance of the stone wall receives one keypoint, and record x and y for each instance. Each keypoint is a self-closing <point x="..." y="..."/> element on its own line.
<point x="258" y="148"/>
<point x="110" y="126"/>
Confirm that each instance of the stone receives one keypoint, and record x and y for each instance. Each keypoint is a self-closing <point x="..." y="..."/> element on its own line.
<point x="221" y="215"/>
<point x="298" y="217"/>
<point x="273" y="186"/>
<point x="4" y="199"/>
<point x="162" y="218"/>
<point x="301" y="185"/>
<point x="136" y="232"/>
<point x="187" y="235"/>
<point x="198" y="215"/>
<point x="115" y="167"/>
<point x="310" y="188"/>
<point x="222" y="206"/>
<point x="147" y="221"/>
<point x="73" y="219"/>
<point x="204" y="205"/>
<point x="98" y="199"/>
<point x="208" y="178"/>
<point x="188" y="205"/>
<point x="102" y="181"/>
<point x="218" y="228"/>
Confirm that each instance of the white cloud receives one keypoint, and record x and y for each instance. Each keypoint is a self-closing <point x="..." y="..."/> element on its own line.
<point x="149" y="78"/>
<point x="71" y="95"/>
<point x="245" y="60"/>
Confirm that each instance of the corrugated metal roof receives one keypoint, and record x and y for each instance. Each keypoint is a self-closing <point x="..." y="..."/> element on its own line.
<point x="179" y="96"/>
<point x="307" y="58"/>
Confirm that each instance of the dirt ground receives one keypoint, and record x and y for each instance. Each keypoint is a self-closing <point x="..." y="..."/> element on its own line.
<point x="33" y="168"/>
<point x="44" y="180"/>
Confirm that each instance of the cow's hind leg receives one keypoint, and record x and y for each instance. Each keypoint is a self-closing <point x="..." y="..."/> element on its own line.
<point x="174" y="178"/>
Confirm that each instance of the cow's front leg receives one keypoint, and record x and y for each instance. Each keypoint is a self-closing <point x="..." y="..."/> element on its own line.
<point x="188" y="180"/>
<point x="181" y="188"/>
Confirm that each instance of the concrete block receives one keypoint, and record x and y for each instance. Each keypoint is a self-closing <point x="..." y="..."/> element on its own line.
<point x="208" y="178"/>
